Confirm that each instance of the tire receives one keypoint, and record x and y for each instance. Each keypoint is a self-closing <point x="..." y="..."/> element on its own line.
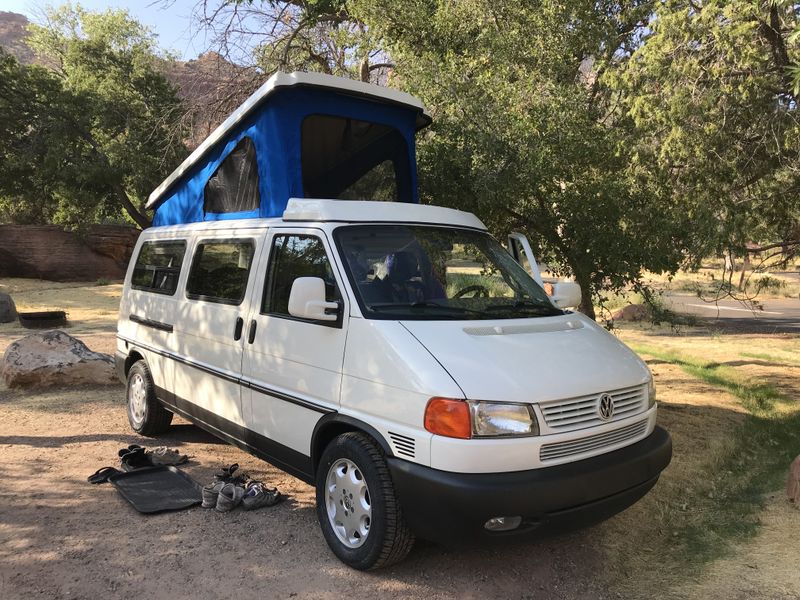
<point x="352" y="468"/>
<point x="145" y="413"/>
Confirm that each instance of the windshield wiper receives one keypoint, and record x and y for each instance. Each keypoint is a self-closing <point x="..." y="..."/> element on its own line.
<point x="460" y="309"/>
<point x="543" y="309"/>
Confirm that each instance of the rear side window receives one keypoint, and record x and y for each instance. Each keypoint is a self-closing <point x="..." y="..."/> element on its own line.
<point x="234" y="185"/>
<point x="220" y="270"/>
<point x="294" y="256"/>
<point x="158" y="267"/>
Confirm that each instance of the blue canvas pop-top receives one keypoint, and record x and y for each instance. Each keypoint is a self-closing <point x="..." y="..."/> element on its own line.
<point x="300" y="135"/>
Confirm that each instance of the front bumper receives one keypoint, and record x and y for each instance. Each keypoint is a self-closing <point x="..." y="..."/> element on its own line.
<point x="451" y="508"/>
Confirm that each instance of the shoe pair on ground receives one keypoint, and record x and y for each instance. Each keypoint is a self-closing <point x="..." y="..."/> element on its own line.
<point x="228" y="491"/>
<point x="136" y="457"/>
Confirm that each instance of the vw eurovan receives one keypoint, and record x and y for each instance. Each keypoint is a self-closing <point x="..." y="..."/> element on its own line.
<point x="393" y="355"/>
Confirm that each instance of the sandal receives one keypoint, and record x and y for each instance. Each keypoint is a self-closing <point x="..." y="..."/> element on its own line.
<point x="102" y="475"/>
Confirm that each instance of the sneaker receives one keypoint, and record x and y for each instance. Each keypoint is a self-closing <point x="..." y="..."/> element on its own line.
<point x="166" y="456"/>
<point x="230" y="496"/>
<point x="258" y="496"/>
<point x="211" y="493"/>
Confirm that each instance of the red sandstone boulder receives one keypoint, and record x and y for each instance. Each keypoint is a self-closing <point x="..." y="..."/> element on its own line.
<point x="632" y="312"/>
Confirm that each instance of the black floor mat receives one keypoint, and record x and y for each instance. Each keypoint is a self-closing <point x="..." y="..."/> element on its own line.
<point x="156" y="489"/>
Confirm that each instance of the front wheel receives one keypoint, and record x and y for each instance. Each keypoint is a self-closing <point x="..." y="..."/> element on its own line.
<point x="145" y="413"/>
<point x="358" y="512"/>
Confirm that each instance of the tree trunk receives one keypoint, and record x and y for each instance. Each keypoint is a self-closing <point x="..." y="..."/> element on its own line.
<point x="745" y="266"/>
<point x="140" y="218"/>
<point x="583" y="279"/>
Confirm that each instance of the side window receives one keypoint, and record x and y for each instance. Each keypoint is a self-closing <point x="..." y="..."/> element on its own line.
<point x="294" y="256"/>
<point x="220" y="270"/>
<point x="234" y="185"/>
<point x="158" y="266"/>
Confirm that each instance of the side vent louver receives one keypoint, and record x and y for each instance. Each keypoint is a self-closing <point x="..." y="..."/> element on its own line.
<point x="403" y="445"/>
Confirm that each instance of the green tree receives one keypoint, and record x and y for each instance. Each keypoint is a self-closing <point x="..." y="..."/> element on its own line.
<point x="87" y="136"/>
<point x="710" y="90"/>
<point x="524" y="130"/>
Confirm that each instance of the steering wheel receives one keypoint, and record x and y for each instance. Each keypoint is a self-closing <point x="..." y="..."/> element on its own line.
<point x="481" y="292"/>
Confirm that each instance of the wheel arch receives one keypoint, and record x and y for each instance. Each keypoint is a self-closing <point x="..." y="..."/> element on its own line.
<point x="133" y="356"/>
<point x="335" y="424"/>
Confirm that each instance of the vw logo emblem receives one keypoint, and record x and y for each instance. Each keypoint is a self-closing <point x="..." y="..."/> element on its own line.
<point x="606" y="407"/>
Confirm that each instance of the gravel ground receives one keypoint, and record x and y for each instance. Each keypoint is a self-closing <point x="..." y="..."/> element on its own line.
<point x="62" y="538"/>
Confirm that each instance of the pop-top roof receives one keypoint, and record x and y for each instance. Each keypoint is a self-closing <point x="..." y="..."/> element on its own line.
<point x="279" y="81"/>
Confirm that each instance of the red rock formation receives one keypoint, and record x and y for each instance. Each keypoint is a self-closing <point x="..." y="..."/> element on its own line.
<point x="49" y="252"/>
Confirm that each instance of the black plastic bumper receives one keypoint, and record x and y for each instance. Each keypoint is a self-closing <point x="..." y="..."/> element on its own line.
<point x="119" y="363"/>
<point x="452" y="508"/>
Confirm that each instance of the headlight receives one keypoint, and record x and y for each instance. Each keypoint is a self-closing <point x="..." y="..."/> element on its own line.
<point x="651" y="393"/>
<point x="494" y="419"/>
<point x="465" y="419"/>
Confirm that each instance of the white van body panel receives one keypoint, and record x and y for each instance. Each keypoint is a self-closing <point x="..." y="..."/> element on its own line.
<point x="204" y="337"/>
<point x="148" y="341"/>
<point x="290" y="358"/>
<point x="388" y="379"/>
<point x="531" y="360"/>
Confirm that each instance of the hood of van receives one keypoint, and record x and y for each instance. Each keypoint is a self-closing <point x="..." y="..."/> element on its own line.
<point x="530" y="360"/>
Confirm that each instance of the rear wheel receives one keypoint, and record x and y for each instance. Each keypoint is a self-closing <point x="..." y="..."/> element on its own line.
<point x="145" y="413"/>
<point x="360" y="516"/>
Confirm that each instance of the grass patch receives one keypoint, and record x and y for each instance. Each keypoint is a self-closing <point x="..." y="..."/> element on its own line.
<point x="758" y="398"/>
<point x="724" y="507"/>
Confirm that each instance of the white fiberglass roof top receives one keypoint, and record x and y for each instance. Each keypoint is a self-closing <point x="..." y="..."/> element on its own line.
<point x="282" y="80"/>
<point x="365" y="211"/>
<point x="339" y="211"/>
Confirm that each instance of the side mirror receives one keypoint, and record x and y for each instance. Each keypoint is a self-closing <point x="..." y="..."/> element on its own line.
<point x="307" y="300"/>
<point x="566" y="294"/>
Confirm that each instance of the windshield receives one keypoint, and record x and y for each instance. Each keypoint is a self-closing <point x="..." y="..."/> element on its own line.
<point x="427" y="272"/>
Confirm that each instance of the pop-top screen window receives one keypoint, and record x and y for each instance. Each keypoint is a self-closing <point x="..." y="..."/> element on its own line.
<point x="234" y="185"/>
<point x="349" y="159"/>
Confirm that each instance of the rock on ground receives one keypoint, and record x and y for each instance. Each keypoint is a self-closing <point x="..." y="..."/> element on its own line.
<point x="632" y="312"/>
<point x="793" y="483"/>
<point x="8" y="310"/>
<point x="54" y="358"/>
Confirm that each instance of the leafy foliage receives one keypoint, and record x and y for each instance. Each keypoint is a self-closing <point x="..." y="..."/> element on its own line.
<point x="710" y="93"/>
<point x="91" y="133"/>
<point x="524" y="133"/>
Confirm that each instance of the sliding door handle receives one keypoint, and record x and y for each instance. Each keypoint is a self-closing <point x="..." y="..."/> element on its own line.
<point x="237" y="330"/>
<point x="251" y="336"/>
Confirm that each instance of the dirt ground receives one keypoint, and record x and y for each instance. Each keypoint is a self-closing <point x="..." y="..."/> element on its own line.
<point x="63" y="538"/>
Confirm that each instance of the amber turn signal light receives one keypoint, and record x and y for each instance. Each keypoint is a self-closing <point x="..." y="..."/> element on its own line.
<point x="447" y="417"/>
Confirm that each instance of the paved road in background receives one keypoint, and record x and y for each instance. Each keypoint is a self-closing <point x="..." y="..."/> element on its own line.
<point x="780" y="315"/>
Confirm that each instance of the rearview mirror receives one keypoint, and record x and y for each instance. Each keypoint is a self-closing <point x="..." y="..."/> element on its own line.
<point x="566" y="294"/>
<point x="307" y="300"/>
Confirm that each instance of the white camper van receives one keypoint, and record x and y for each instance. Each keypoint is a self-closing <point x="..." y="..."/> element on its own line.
<point x="396" y="357"/>
<point x="393" y="355"/>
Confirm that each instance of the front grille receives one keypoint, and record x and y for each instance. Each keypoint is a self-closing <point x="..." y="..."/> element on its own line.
<point x="577" y="413"/>
<point x="403" y="445"/>
<point x="591" y="443"/>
